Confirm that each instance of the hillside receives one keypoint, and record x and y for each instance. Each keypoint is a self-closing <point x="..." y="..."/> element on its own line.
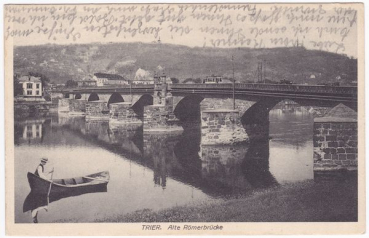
<point x="64" y="62"/>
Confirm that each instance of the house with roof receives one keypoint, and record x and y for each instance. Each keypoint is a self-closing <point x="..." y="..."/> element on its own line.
<point x="86" y="83"/>
<point x="109" y="79"/>
<point x="31" y="87"/>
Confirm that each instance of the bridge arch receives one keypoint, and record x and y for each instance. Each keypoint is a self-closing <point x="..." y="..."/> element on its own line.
<point x="66" y="95"/>
<point x="138" y="106"/>
<point x="114" y="98"/>
<point x="259" y="112"/>
<point x="188" y="108"/>
<point x="93" y="97"/>
<point x="78" y="96"/>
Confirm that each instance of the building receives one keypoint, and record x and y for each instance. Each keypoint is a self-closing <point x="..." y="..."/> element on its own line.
<point x="86" y="83"/>
<point x="31" y="87"/>
<point x="100" y="79"/>
<point x="110" y="79"/>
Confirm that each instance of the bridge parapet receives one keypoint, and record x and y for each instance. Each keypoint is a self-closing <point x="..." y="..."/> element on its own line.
<point x="271" y="87"/>
<point x="111" y="89"/>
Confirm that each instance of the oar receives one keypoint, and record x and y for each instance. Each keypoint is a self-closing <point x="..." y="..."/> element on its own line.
<point x="48" y="193"/>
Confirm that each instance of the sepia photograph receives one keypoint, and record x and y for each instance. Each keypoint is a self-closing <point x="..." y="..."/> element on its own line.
<point x="158" y="119"/>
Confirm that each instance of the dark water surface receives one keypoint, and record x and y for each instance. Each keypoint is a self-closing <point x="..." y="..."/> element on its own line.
<point x="156" y="171"/>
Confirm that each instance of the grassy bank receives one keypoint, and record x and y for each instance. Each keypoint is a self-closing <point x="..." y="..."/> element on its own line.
<point x="308" y="201"/>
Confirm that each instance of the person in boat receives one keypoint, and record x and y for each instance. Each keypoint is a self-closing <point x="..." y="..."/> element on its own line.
<point x="40" y="170"/>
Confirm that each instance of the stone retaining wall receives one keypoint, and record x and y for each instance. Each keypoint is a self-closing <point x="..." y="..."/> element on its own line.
<point x="335" y="145"/>
<point x="335" y="140"/>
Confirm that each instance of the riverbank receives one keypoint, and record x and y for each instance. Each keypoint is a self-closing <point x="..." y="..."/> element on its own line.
<point x="325" y="201"/>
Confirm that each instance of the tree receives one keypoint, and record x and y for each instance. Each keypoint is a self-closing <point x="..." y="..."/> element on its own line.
<point x="44" y="79"/>
<point x="174" y="80"/>
<point x="71" y="84"/>
<point x="18" y="90"/>
<point x="47" y="97"/>
<point x="196" y="80"/>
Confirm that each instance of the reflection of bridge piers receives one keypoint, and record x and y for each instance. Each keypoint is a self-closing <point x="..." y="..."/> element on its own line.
<point x="255" y="164"/>
<point x="159" y="149"/>
<point x="222" y="164"/>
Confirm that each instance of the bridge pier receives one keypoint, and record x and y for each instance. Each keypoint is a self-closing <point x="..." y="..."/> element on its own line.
<point x="160" y="118"/>
<point x="122" y="113"/>
<point x="222" y="126"/>
<point x="72" y="106"/>
<point x="335" y="140"/>
<point x="97" y="110"/>
<point x="63" y="105"/>
<point x="77" y="107"/>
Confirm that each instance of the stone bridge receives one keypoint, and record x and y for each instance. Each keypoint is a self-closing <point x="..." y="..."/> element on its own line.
<point x="223" y="109"/>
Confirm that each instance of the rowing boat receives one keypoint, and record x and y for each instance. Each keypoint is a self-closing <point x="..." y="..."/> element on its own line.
<point x="35" y="200"/>
<point x="90" y="182"/>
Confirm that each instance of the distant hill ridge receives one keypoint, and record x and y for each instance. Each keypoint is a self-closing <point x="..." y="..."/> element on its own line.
<point x="64" y="62"/>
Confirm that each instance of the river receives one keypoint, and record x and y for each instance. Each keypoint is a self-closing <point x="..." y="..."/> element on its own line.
<point x="156" y="171"/>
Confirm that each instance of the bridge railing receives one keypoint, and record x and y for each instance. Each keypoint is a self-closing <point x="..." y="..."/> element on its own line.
<point x="287" y="88"/>
<point x="124" y="87"/>
<point x="272" y="87"/>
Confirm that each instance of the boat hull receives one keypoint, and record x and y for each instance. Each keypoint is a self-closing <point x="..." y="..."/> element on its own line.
<point x="41" y="186"/>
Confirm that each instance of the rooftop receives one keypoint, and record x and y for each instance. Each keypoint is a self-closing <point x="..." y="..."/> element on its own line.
<point x="29" y="79"/>
<point x="109" y="76"/>
<point x="339" y="113"/>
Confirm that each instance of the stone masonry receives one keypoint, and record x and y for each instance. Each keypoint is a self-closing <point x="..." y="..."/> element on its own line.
<point x="77" y="106"/>
<point x="122" y="113"/>
<point x="336" y="140"/>
<point x="221" y="126"/>
<point x="160" y="118"/>
<point x="97" y="110"/>
<point x="63" y="105"/>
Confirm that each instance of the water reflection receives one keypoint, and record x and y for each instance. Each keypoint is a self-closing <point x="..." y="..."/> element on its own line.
<point x="29" y="131"/>
<point x="291" y="145"/>
<point x="35" y="202"/>
<point x="221" y="167"/>
<point x="178" y="165"/>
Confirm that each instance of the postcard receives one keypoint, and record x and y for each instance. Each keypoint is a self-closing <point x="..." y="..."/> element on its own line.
<point x="184" y="119"/>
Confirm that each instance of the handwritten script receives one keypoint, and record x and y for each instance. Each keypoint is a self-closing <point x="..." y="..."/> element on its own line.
<point x="323" y="27"/>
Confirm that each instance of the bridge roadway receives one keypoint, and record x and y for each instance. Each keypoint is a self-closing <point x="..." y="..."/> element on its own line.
<point x="290" y="91"/>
